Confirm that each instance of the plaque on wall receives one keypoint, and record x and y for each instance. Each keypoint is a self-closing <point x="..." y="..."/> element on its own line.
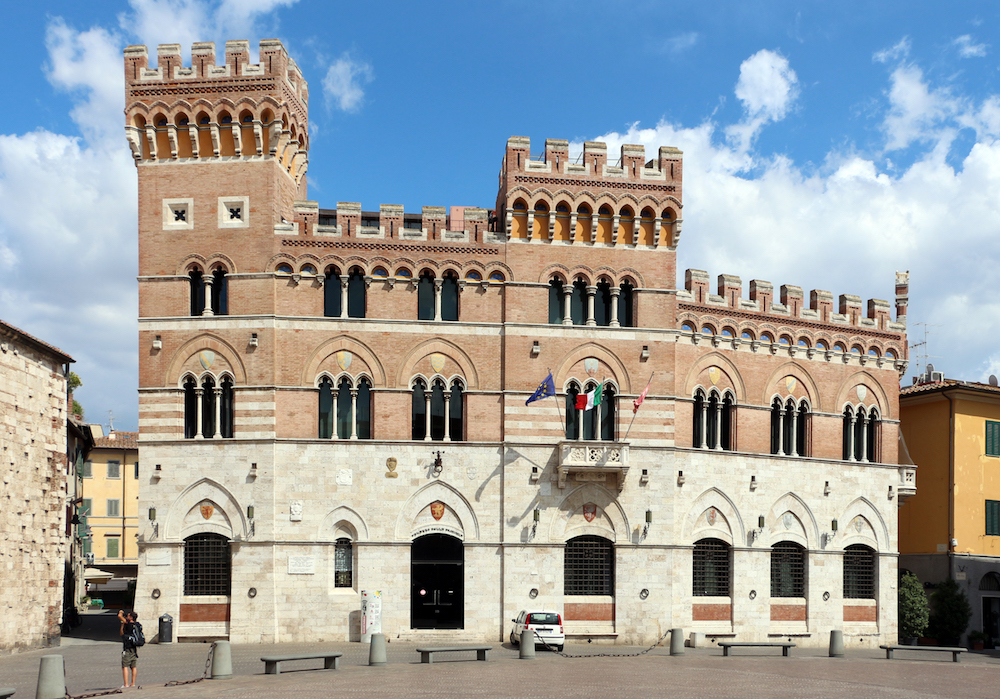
<point x="157" y="557"/>
<point x="301" y="565"/>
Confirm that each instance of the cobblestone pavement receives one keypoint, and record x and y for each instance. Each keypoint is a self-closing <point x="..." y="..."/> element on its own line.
<point x="93" y="665"/>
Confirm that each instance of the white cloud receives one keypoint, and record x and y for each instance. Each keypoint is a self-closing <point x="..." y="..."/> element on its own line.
<point x="681" y="42"/>
<point x="767" y="88"/>
<point x="343" y="82"/>
<point x="968" y="49"/>
<point x="916" y="112"/>
<point x="893" y="53"/>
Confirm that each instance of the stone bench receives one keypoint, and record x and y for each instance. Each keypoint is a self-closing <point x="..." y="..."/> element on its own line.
<point x="7" y="692"/>
<point x="726" y="645"/>
<point x="272" y="663"/>
<point x="427" y="654"/>
<point x="943" y="649"/>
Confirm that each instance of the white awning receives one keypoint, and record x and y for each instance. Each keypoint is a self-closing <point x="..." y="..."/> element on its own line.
<point x="97" y="576"/>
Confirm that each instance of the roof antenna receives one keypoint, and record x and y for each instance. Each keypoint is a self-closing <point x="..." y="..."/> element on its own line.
<point x="111" y="424"/>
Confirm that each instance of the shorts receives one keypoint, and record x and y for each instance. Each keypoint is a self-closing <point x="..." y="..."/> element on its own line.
<point x="129" y="657"/>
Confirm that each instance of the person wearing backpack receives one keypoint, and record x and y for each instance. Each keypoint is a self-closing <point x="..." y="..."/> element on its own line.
<point x="132" y="638"/>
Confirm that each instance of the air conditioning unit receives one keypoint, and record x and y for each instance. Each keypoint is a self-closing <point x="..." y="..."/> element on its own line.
<point x="89" y="558"/>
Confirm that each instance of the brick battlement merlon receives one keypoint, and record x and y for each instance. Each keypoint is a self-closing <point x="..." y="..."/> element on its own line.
<point x="791" y="303"/>
<point x="275" y="64"/>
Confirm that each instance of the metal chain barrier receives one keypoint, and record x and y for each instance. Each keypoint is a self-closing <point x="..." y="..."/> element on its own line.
<point x="204" y="676"/>
<point x="601" y="655"/>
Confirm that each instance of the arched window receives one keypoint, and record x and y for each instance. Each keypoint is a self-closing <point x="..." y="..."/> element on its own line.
<point x="788" y="568"/>
<point x="445" y="407"/>
<point x="873" y="437"/>
<point x="220" y="292"/>
<point x="456" y="414"/>
<point x="207" y="565"/>
<point x="190" y="408"/>
<point x="602" y="304"/>
<point x="710" y="573"/>
<point x="777" y="414"/>
<point x="578" y="302"/>
<point x="555" y="301"/>
<point x="860" y="574"/>
<point x="208" y="407"/>
<point x="345" y="417"/>
<point x="364" y="410"/>
<point x="197" y="289"/>
<point x="713" y="416"/>
<point x="356" y="290"/>
<point x="437" y="410"/>
<point x="572" y="414"/>
<point x="425" y="296"/>
<point x="848" y="431"/>
<point x="419" y="411"/>
<point x="449" y="297"/>
<point x="802" y="445"/>
<point x="325" y="408"/>
<point x="990" y="582"/>
<point x="343" y="563"/>
<point x="861" y="418"/>
<point x="699" y="440"/>
<point x="227" y="409"/>
<point x="626" y="309"/>
<point x="332" y="295"/>
<point x="789" y="427"/>
<point x="589" y="566"/>
<point x="606" y="429"/>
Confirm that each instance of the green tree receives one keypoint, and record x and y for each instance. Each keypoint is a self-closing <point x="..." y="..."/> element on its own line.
<point x="913" y="609"/>
<point x="73" y="382"/>
<point x="950" y="612"/>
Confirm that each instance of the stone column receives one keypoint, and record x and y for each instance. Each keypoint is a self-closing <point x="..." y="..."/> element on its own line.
<point x="850" y="438"/>
<point x="447" y="415"/>
<point x="704" y="424"/>
<point x="218" y="412"/>
<point x="427" y="412"/>
<point x="616" y="292"/>
<point x="343" y="295"/>
<point x="864" y="439"/>
<point x="717" y="437"/>
<point x="354" y="413"/>
<point x="591" y="292"/>
<point x="567" y="304"/>
<point x="207" y="280"/>
<point x="437" y="298"/>
<point x="795" y="432"/>
<point x="781" y="431"/>
<point x="199" y="392"/>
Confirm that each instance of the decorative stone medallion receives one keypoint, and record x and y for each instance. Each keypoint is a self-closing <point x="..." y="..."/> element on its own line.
<point x="471" y="473"/>
<point x="862" y="392"/>
<point x="589" y="511"/>
<point x="790" y="383"/>
<point x="788" y="519"/>
<point x="437" y="510"/>
<point x="206" y="358"/>
<point x="206" y="510"/>
<point x="859" y="524"/>
<point x="390" y="464"/>
<point x="344" y="359"/>
<point x="345" y="476"/>
<point x="711" y="516"/>
<point x="591" y="365"/>
<point x="295" y="511"/>
<point x="437" y="362"/>
<point x="714" y="374"/>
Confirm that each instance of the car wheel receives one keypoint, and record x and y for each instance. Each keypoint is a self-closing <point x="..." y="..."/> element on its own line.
<point x="513" y="642"/>
<point x="559" y="649"/>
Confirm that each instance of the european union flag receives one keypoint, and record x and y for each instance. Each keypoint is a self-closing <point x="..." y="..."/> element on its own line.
<point x="545" y="389"/>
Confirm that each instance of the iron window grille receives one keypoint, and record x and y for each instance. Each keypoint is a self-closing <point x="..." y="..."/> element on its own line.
<point x="859" y="572"/>
<point x="711" y="568"/>
<point x="788" y="570"/>
<point x="207" y="567"/>
<point x="343" y="563"/>
<point x="589" y="566"/>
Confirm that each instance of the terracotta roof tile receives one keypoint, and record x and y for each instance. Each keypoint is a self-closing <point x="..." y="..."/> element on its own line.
<point x="120" y="440"/>
<point x="945" y="385"/>
<point x="40" y="344"/>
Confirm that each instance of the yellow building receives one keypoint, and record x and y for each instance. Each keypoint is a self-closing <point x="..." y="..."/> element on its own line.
<point x="110" y="502"/>
<point x="951" y="527"/>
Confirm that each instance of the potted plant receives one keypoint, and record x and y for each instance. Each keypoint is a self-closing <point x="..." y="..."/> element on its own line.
<point x="978" y="639"/>
<point x="950" y="613"/>
<point x="912" y="609"/>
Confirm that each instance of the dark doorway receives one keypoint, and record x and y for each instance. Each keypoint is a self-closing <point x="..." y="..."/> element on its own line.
<point x="437" y="583"/>
<point x="991" y="616"/>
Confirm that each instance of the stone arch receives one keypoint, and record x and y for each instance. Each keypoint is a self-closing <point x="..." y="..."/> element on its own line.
<point x="338" y="344"/>
<point x="407" y="367"/>
<point x="864" y="508"/>
<point x="343" y="519"/>
<point x="555" y="271"/>
<point x="694" y="529"/>
<point x="728" y="369"/>
<point x="205" y="342"/>
<point x="591" y="349"/>
<point x="804" y="379"/>
<point x="456" y="504"/>
<point x="184" y="517"/>
<point x="569" y="522"/>
<point x="188" y="263"/>
<point x="847" y="395"/>
<point x="626" y="273"/>
<point x="790" y="502"/>
<point x="224" y="260"/>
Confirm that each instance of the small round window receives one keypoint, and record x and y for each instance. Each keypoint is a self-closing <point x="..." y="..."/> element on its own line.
<point x="380" y="272"/>
<point x="308" y="269"/>
<point x="284" y="268"/>
<point x="473" y="275"/>
<point x="497" y="277"/>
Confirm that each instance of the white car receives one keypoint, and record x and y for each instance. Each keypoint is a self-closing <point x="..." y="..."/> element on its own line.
<point x="547" y="625"/>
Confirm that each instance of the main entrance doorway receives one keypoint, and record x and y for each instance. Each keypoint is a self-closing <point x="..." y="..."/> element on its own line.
<point x="437" y="582"/>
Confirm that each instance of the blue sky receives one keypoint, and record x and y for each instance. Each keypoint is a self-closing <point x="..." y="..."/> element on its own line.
<point x="826" y="145"/>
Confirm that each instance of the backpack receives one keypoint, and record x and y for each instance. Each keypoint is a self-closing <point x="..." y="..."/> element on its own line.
<point x="136" y="639"/>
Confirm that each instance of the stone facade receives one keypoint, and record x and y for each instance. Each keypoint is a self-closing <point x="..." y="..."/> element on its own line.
<point x="264" y="318"/>
<point x="33" y="533"/>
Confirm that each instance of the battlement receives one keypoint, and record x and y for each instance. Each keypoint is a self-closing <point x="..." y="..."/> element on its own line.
<point x="593" y="162"/>
<point x="462" y="224"/>
<point x="791" y="302"/>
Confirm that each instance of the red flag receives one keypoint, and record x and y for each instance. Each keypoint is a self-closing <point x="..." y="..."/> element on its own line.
<point x="581" y="402"/>
<point x="642" y="396"/>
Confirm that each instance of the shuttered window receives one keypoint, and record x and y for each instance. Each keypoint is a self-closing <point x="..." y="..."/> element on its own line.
<point x="992" y="438"/>
<point x="993" y="517"/>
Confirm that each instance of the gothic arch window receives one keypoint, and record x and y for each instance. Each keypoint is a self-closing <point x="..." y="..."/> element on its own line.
<point x="343" y="563"/>
<point x="626" y="307"/>
<point x="345" y="416"/>
<point x="344" y="411"/>
<point x="555" y="301"/>
<point x="578" y="302"/>
<point x="190" y="408"/>
<point x="438" y="412"/>
<point x="860" y="572"/>
<point x="456" y="413"/>
<point x="364" y="409"/>
<point x="788" y="566"/>
<point x="711" y="568"/>
<point x="990" y="582"/>
<point x="607" y="416"/>
<point x="356" y="293"/>
<point x="332" y="294"/>
<point x="602" y="303"/>
<point x="862" y="434"/>
<point x="873" y="434"/>
<point x="220" y="292"/>
<point x="699" y="438"/>
<point x="207" y="565"/>
<point x="712" y="420"/>
<point x="790" y="427"/>
<point x="599" y="422"/>
<point x="197" y="292"/>
<point x="573" y="415"/>
<point x="227" y="410"/>
<point x="208" y="402"/>
<point x="326" y="411"/>
<point x="449" y="296"/>
<point x="589" y="566"/>
<point x="861" y="419"/>
<point x="425" y="296"/>
<point x="418" y="413"/>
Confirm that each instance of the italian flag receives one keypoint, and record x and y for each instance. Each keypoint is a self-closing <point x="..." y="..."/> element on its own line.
<point x="591" y="399"/>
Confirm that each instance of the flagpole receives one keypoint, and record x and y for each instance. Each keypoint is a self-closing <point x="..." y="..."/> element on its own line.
<point x="635" y="412"/>
<point x="558" y="409"/>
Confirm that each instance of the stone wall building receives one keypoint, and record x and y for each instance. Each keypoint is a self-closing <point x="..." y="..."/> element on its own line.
<point x="33" y="530"/>
<point x="334" y="400"/>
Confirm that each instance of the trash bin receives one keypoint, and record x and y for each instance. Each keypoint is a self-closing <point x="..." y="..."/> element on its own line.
<point x="166" y="629"/>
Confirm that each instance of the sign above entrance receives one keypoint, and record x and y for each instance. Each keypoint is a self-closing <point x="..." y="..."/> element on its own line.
<point x="437" y="510"/>
<point x="439" y="529"/>
<point x="589" y="511"/>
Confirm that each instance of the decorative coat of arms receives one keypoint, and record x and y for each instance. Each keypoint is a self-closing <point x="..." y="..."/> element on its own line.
<point x="859" y="524"/>
<point x="788" y="519"/>
<point x="862" y="392"/>
<point x="344" y="360"/>
<point x="206" y="510"/>
<point x="437" y="362"/>
<point x="714" y="374"/>
<point x="591" y="365"/>
<point x="390" y="464"/>
<point x="711" y="516"/>
<point x="437" y="510"/>
<point x="589" y="511"/>
<point x="207" y="358"/>
<point x="790" y="383"/>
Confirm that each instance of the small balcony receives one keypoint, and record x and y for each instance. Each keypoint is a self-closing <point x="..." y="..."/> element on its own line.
<point x="907" y="486"/>
<point x="593" y="462"/>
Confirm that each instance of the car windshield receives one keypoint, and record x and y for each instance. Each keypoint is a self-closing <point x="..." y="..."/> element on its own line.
<point x="543" y="618"/>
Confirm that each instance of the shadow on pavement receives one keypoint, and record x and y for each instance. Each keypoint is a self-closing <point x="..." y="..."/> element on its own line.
<point x="97" y="626"/>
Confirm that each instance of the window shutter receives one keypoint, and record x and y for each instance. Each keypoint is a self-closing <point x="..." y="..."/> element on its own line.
<point x="992" y="438"/>
<point x="993" y="517"/>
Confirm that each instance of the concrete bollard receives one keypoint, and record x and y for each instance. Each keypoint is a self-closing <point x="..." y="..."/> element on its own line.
<point x="676" y="641"/>
<point x="836" y="644"/>
<point x="376" y="650"/>
<point x="527" y="645"/>
<point x="51" y="678"/>
<point x="222" y="661"/>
